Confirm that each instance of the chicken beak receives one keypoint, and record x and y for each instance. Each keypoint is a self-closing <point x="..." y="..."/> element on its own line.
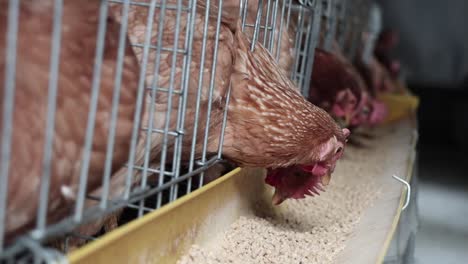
<point x="278" y="198"/>
<point x="325" y="179"/>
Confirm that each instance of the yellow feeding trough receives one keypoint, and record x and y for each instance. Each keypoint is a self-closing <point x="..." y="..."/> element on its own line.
<point x="233" y="217"/>
<point x="399" y="105"/>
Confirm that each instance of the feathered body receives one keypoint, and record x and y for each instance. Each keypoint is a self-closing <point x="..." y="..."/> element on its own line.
<point x="164" y="28"/>
<point x="335" y="87"/>
<point x="77" y="54"/>
<point x="376" y="76"/>
<point x="372" y="111"/>
<point x="271" y="125"/>
<point x="266" y="113"/>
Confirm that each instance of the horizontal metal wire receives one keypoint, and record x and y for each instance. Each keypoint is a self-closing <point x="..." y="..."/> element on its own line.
<point x="145" y="4"/>
<point x="180" y="51"/>
<point x="67" y="225"/>
<point x="165" y="90"/>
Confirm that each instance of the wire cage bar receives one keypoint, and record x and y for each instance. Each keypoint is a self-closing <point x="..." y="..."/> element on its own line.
<point x="343" y="8"/>
<point x="158" y="64"/>
<point x="371" y="31"/>
<point x="358" y="15"/>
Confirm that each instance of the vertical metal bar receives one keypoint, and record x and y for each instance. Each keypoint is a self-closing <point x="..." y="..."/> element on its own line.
<point x="258" y="20"/>
<point x="327" y="16"/>
<point x="306" y="59"/>
<point x="267" y="23"/>
<point x="8" y="106"/>
<point x="348" y="29"/>
<point x="288" y="21"/>
<point x="51" y="103"/>
<point x="212" y="84"/>
<point x="245" y="7"/>
<point x="141" y="95"/>
<point x="296" y="45"/>
<point x="331" y="24"/>
<point x="341" y="26"/>
<point x="223" y="128"/>
<point x="241" y="8"/>
<point x="190" y="25"/>
<point x="200" y="88"/>
<point x="115" y="105"/>
<point x="351" y="30"/>
<point x="169" y="105"/>
<point x="313" y="42"/>
<point x="356" y="34"/>
<point x="273" y="29"/>
<point x="280" y="33"/>
<point x="157" y="64"/>
<point x="373" y="28"/>
<point x="176" y="156"/>
<point x="92" y="111"/>
<point x="299" y="35"/>
<point x="302" y="52"/>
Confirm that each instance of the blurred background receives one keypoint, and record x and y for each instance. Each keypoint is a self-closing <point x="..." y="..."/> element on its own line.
<point x="433" y="50"/>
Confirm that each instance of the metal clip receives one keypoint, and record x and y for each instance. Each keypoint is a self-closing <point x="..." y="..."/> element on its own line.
<point x="408" y="191"/>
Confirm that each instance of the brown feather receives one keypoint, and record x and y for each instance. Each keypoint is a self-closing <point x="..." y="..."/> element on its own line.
<point x="79" y="30"/>
<point x="269" y="123"/>
<point x="137" y="23"/>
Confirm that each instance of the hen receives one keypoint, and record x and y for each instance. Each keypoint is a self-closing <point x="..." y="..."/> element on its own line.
<point x="374" y="73"/>
<point x="336" y="89"/>
<point x="376" y="76"/>
<point x="158" y="67"/>
<point x="75" y="77"/>
<point x="372" y="111"/>
<point x="160" y="103"/>
<point x="163" y="39"/>
<point x="381" y="71"/>
<point x="271" y="125"/>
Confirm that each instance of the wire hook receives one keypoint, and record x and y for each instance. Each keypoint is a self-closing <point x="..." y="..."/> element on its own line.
<point x="408" y="190"/>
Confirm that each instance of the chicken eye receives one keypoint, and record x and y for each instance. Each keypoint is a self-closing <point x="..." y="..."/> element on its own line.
<point x="339" y="150"/>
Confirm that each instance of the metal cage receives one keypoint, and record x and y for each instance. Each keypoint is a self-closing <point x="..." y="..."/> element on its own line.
<point x="171" y="147"/>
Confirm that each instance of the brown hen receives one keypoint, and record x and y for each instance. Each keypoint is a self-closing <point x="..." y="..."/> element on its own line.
<point x="271" y="125"/>
<point x="164" y="28"/>
<point x="77" y="58"/>
<point x="336" y="88"/>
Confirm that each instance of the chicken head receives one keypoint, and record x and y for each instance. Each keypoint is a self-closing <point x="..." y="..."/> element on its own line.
<point x="345" y="105"/>
<point x="300" y="180"/>
<point x="336" y="87"/>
